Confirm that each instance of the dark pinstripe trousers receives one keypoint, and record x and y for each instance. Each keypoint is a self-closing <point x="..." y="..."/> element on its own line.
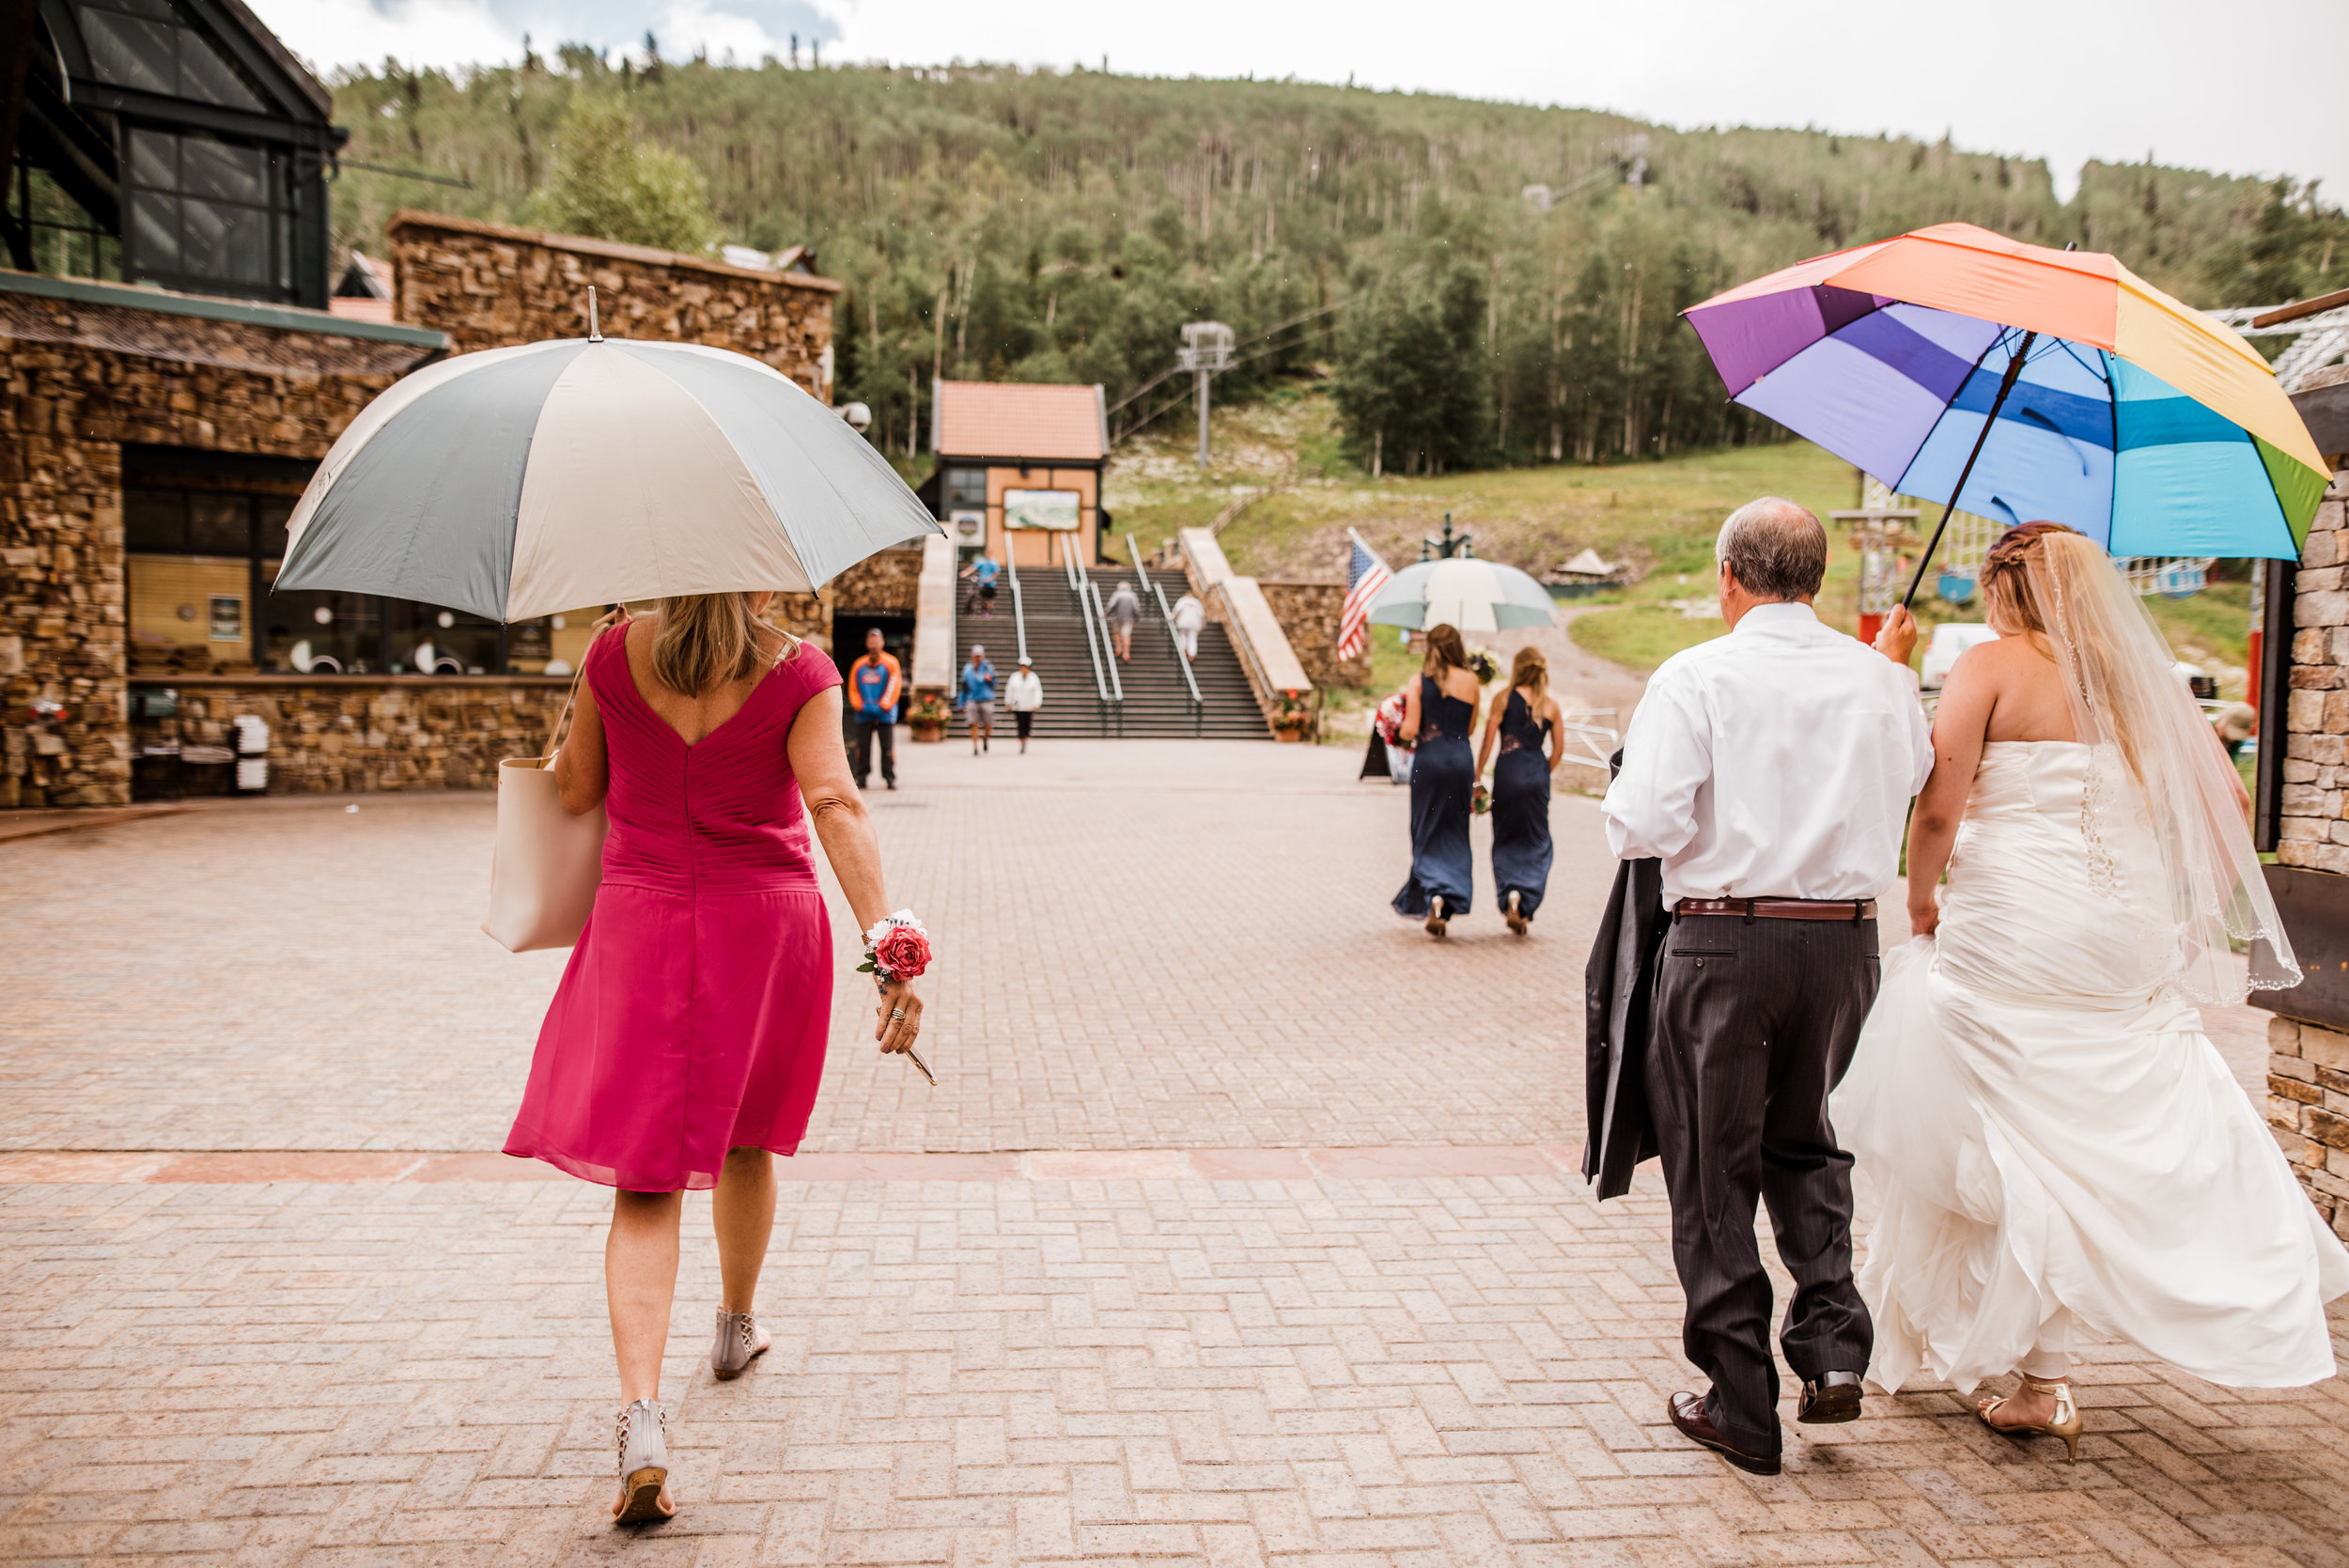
<point x="1754" y="1023"/>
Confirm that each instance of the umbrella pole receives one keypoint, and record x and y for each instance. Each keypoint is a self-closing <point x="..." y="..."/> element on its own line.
<point x="2006" y="385"/>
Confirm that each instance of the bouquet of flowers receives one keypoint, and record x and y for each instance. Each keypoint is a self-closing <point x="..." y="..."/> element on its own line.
<point x="1388" y="721"/>
<point x="896" y="948"/>
<point x="1483" y="665"/>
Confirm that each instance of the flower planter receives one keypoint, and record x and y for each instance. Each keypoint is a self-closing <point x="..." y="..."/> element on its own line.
<point x="929" y="734"/>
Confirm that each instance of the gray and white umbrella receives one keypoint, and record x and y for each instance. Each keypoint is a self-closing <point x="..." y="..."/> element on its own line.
<point x="1465" y="593"/>
<point x="516" y="482"/>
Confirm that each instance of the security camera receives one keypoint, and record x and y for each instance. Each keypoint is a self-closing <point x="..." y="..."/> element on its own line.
<point x="860" y="418"/>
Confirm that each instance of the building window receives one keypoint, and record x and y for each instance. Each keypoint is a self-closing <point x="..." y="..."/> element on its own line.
<point x="66" y="242"/>
<point x="206" y="214"/>
<point x="150" y="46"/>
<point x="966" y="488"/>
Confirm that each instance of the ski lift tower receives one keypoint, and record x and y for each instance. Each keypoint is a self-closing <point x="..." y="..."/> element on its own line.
<point x="1207" y="348"/>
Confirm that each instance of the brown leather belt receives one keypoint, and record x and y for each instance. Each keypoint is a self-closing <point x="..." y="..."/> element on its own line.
<point x="1851" y="909"/>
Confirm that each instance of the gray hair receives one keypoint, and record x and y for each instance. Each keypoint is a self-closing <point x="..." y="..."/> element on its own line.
<point x="1777" y="549"/>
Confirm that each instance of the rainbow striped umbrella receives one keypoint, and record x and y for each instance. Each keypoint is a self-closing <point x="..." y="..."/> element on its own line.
<point x="2021" y="383"/>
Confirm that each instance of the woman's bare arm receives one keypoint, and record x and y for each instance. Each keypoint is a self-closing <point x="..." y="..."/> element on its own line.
<point x="1492" y="733"/>
<point x="1557" y="717"/>
<point x="1409" y="731"/>
<point x="1959" y="725"/>
<point x="583" y="769"/>
<point x="845" y="829"/>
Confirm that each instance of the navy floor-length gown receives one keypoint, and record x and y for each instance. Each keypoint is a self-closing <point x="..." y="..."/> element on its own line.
<point x="1521" y="847"/>
<point x="1443" y="776"/>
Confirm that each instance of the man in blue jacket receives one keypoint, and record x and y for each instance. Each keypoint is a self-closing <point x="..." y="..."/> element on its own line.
<point x="875" y="684"/>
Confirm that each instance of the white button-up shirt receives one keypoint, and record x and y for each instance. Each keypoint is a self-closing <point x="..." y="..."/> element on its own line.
<point x="1777" y="761"/>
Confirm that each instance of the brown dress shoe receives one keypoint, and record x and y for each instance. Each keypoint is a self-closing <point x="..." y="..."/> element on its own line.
<point x="1687" y="1414"/>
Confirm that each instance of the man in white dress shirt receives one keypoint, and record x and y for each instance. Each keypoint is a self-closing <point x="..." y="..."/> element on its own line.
<point x="1770" y="771"/>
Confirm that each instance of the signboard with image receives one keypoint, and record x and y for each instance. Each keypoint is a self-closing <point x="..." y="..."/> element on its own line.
<point x="1059" y="510"/>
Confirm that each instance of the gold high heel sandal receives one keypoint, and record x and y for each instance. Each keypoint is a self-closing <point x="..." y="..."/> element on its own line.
<point x="2067" y="1423"/>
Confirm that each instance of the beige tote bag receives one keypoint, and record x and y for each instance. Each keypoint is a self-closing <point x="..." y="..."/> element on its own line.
<point x="547" y="863"/>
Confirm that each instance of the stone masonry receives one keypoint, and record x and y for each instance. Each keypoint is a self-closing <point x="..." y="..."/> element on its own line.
<point x="2307" y="1073"/>
<point x="490" y="286"/>
<point x="68" y="398"/>
<point x="1310" y="614"/>
<point x="362" y="734"/>
<point x="2313" y="827"/>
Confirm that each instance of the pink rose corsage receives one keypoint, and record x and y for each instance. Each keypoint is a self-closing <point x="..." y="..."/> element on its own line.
<point x="896" y="948"/>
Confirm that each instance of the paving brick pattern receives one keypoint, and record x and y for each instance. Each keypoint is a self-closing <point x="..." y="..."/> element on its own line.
<point x="1168" y="1283"/>
<point x="1146" y="944"/>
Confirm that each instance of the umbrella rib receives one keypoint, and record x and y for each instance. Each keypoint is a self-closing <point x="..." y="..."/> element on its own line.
<point x="1933" y="430"/>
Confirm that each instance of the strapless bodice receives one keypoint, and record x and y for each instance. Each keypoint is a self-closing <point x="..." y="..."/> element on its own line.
<point x="2030" y="779"/>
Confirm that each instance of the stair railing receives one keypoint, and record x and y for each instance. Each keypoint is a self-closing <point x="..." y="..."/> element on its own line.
<point x="1077" y="583"/>
<point x="1018" y="607"/>
<point x="1198" y="703"/>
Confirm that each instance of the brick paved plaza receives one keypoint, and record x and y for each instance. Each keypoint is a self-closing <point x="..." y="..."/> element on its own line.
<point x="1241" y="1230"/>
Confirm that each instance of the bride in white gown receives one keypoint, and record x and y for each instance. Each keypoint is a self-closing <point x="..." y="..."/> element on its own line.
<point x="2061" y="1154"/>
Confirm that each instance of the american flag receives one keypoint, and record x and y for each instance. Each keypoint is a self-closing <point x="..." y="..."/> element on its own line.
<point x="1366" y="574"/>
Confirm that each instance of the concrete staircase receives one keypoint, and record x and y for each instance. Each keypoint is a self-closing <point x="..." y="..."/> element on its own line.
<point x="1157" y="703"/>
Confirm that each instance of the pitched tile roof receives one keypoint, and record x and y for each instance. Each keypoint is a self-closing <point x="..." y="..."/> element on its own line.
<point x="1018" y="419"/>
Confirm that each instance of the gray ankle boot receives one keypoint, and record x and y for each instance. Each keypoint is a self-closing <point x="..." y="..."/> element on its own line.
<point x="735" y="1347"/>
<point x="644" y="1463"/>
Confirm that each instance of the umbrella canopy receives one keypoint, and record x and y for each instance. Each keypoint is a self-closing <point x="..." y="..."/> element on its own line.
<point x="516" y="482"/>
<point x="1472" y="595"/>
<point x="2142" y="424"/>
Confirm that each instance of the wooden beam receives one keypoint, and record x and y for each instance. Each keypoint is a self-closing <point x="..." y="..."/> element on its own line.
<point x="2317" y="307"/>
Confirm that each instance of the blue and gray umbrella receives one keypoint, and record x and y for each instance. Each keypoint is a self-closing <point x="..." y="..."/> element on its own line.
<point x="516" y="482"/>
<point x="1465" y="593"/>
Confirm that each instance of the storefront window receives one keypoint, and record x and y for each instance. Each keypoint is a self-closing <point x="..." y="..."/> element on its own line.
<point x="202" y="557"/>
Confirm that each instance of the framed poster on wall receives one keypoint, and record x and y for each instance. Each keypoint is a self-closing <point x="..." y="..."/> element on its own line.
<point x="1058" y="510"/>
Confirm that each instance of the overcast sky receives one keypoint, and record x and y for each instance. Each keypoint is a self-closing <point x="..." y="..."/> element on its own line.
<point x="2257" y="86"/>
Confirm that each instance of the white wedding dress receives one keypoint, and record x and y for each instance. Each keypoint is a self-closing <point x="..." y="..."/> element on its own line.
<point x="2061" y="1155"/>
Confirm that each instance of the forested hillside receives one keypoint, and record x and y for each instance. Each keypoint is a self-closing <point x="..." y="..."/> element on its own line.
<point x="1488" y="282"/>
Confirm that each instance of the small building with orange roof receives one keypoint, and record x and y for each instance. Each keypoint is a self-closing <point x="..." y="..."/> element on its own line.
<point x="1018" y="468"/>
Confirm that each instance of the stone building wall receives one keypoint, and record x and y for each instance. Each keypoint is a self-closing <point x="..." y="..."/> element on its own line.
<point x="2308" y="1107"/>
<point x="78" y="380"/>
<point x="1310" y="614"/>
<point x="2313" y="824"/>
<point x="887" y="583"/>
<point x="490" y="286"/>
<point x="363" y="734"/>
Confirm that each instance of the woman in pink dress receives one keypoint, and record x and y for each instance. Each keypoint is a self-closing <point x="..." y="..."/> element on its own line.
<point x="684" y="1046"/>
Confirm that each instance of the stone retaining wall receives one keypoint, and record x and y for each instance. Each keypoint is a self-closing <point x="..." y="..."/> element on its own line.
<point x="1311" y="614"/>
<point x="887" y="583"/>
<point x="491" y="286"/>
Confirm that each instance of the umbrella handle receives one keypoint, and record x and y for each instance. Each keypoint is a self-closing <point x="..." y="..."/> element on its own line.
<point x="2006" y="385"/>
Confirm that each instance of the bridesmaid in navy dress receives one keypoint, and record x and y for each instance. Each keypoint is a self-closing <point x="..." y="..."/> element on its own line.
<point x="1521" y="722"/>
<point x="1440" y="715"/>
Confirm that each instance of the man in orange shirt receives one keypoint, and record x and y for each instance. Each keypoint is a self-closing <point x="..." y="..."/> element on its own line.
<point x="875" y="684"/>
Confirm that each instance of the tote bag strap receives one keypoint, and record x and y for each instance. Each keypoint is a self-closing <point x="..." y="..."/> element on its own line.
<point x="555" y="736"/>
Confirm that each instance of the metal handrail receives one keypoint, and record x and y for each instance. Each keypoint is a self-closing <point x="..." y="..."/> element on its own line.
<point x="1074" y="570"/>
<point x="1197" y="703"/>
<point x="1019" y="607"/>
<point x="1109" y="643"/>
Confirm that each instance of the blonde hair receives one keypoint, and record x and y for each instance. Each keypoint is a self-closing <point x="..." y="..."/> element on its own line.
<point x="705" y="641"/>
<point x="1529" y="670"/>
<point x="1444" y="648"/>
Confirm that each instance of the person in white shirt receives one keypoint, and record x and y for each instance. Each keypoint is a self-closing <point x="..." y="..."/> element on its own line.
<point x="1023" y="693"/>
<point x="1190" y="615"/>
<point x="1770" y="772"/>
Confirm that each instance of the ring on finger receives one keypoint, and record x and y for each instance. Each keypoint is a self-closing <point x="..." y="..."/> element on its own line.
<point x="896" y="1012"/>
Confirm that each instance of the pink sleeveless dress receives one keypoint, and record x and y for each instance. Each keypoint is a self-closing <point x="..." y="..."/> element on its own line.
<point x="691" y="1017"/>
